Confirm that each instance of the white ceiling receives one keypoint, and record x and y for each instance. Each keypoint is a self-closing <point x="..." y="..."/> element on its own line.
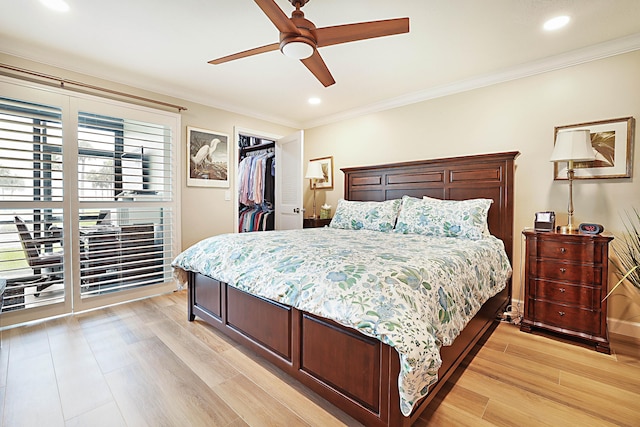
<point x="453" y="45"/>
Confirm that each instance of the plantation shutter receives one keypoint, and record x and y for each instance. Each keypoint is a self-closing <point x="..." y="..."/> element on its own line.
<point x="31" y="196"/>
<point x="125" y="190"/>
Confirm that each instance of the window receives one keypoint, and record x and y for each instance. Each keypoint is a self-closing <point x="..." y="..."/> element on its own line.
<point x="89" y="204"/>
<point x="124" y="166"/>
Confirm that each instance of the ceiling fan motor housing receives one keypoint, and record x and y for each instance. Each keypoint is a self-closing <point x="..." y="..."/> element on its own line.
<point x="306" y="35"/>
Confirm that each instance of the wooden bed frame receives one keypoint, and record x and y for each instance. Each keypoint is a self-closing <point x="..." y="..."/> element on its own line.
<point x="356" y="373"/>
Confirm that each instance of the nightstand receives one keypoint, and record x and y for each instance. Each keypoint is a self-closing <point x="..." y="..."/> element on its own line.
<point x="565" y="282"/>
<point x="315" y="222"/>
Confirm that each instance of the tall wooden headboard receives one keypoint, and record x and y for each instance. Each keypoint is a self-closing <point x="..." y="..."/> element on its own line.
<point x="488" y="176"/>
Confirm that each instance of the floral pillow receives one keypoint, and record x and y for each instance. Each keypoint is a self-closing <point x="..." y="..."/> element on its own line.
<point x="485" y="231"/>
<point x="447" y="218"/>
<point x="376" y="216"/>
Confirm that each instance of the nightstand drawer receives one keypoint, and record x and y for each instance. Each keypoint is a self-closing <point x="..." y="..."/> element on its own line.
<point x="567" y="317"/>
<point x="566" y="251"/>
<point x="566" y="293"/>
<point x="558" y="270"/>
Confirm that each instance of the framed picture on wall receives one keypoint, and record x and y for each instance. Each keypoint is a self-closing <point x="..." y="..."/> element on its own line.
<point x="207" y="158"/>
<point x="612" y="142"/>
<point x="327" y="170"/>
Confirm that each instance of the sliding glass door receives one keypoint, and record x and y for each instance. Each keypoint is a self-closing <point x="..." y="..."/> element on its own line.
<point x="88" y="196"/>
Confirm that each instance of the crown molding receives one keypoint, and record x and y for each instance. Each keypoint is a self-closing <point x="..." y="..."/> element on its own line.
<point x="580" y="56"/>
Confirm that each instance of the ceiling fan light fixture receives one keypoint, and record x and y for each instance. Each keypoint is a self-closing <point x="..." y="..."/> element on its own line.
<point x="297" y="49"/>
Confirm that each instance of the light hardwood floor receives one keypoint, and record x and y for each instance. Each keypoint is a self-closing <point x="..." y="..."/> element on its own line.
<point x="144" y="364"/>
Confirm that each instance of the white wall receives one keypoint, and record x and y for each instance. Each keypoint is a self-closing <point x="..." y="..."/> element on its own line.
<point x="518" y="115"/>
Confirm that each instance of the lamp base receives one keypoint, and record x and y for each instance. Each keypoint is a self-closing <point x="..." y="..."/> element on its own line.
<point x="567" y="229"/>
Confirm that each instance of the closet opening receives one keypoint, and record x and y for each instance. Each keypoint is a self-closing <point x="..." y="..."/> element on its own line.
<point x="269" y="180"/>
<point x="256" y="183"/>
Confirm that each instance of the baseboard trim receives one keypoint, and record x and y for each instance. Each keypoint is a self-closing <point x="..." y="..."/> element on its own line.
<point x="624" y="327"/>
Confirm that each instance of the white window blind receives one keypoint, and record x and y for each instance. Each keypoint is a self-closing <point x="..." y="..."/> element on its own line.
<point x="31" y="189"/>
<point x="31" y="151"/>
<point x="125" y="176"/>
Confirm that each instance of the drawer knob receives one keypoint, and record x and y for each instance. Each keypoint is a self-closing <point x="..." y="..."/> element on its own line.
<point x="563" y="270"/>
<point x="562" y="290"/>
<point x="563" y="250"/>
<point x="561" y="313"/>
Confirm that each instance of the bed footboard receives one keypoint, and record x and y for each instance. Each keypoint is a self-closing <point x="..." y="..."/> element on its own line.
<point x="356" y="373"/>
<point x="346" y="368"/>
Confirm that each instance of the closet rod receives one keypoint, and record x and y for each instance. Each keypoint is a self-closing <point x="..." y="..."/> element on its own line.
<point x="64" y="82"/>
<point x="258" y="147"/>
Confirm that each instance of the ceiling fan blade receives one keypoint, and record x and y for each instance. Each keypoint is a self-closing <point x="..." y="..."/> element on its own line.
<point x="244" y="54"/>
<point x="316" y="65"/>
<point x="277" y="16"/>
<point x="328" y="36"/>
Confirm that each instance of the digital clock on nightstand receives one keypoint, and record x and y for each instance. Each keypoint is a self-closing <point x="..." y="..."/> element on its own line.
<point x="588" y="228"/>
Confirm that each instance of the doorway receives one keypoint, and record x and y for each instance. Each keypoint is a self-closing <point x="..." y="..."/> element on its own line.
<point x="268" y="190"/>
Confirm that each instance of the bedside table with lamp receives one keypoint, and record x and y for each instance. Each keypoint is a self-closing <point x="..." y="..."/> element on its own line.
<point x="566" y="270"/>
<point x="314" y="174"/>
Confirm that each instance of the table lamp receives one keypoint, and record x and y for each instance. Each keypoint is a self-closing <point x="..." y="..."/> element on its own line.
<point x="572" y="146"/>
<point x="314" y="173"/>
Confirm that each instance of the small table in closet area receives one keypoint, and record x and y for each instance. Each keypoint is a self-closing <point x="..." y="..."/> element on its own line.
<point x="315" y="222"/>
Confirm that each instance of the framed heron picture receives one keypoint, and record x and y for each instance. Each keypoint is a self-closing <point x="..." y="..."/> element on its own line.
<point x="207" y="158"/>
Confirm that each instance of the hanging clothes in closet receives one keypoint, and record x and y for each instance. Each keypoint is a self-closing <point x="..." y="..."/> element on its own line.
<point x="256" y="190"/>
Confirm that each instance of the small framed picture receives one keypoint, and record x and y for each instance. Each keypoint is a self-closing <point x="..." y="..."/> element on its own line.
<point x="327" y="170"/>
<point x="612" y="142"/>
<point x="207" y="158"/>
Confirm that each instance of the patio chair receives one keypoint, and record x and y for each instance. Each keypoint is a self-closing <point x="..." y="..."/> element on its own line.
<point x="47" y="266"/>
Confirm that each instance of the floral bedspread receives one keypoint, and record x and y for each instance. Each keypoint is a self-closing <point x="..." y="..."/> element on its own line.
<point x="410" y="291"/>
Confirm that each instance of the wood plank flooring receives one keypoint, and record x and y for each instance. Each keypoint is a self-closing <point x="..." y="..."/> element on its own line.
<point x="144" y="364"/>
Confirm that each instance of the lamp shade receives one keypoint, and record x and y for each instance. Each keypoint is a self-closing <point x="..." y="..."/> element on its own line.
<point x="573" y="145"/>
<point x="314" y="171"/>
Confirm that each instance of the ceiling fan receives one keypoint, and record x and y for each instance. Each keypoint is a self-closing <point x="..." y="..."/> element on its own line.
<point x="300" y="39"/>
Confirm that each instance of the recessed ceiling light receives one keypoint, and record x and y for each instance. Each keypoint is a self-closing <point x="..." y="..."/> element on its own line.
<point x="556" y="23"/>
<point x="58" y="5"/>
<point x="314" y="101"/>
